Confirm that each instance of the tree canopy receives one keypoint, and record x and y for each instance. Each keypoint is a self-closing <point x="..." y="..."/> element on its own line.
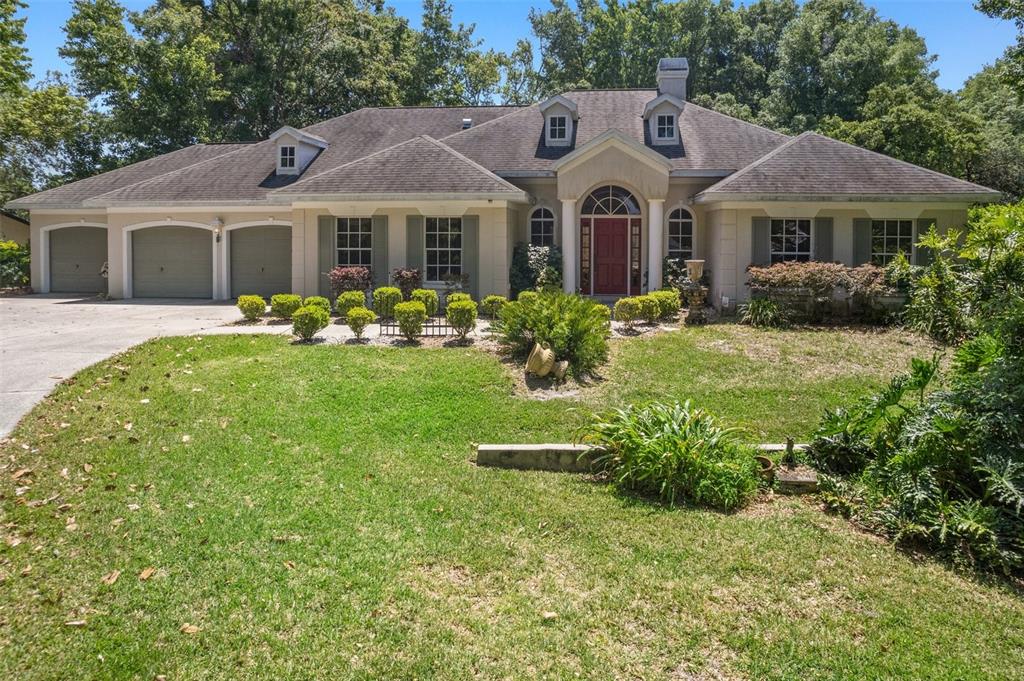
<point x="187" y="71"/>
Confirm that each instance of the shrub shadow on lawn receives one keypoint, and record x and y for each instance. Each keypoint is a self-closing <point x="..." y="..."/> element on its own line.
<point x="278" y="322"/>
<point x="458" y="343"/>
<point x="318" y="340"/>
<point x="356" y="341"/>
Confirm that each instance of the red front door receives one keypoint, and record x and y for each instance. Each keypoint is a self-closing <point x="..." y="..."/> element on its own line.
<point x="611" y="255"/>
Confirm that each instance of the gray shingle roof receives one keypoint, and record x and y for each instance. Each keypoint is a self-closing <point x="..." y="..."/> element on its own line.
<point x="421" y="165"/>
<point x="74" y="193"/>
<point x="710" y="140"/>
<point x="812" y="164"/>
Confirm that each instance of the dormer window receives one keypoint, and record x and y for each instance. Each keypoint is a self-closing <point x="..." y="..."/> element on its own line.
<point x="558" y="128"/>
<point x="287" y="161"/>
<point x="666" y="127"/>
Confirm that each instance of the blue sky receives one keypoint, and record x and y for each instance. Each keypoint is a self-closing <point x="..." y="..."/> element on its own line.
<point x="963" y="39"/>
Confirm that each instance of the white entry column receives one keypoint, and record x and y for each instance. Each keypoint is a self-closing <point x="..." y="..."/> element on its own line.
<point x="570" y="246"/>
<point x="654" y="241"/>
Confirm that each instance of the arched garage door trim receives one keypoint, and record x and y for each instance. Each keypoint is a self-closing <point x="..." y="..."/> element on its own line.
<point x="126" y="251"/>
<point x="225" y="253"/>
<point x="44" y="247"/>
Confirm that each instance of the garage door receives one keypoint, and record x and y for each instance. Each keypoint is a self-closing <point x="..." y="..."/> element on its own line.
<point x="261" y="260"/>
<point x="77" y="255"/>
<point x="172" y="262"/>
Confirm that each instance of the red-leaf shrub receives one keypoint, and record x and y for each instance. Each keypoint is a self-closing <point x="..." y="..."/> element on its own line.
<point x="349" y="279"/>
<point x="407" y="280"/>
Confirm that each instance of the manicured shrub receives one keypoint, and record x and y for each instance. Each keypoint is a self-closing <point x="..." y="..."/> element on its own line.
<point x="348" y="300"/>
<point x="358" y="318"/>
<point x="765" y="313"/>
<point x="283" y="305"/>
<point x="628" y="311"/>
<point x="574" y="327"/>
<point x="456" y="297"/>
<point x="252" y="307"/>
<point x="527" y="296"/>
<point x="668" y="303"/>
<point x="308" y="320"/>
<point x="650" y="310"/>
<point x="318" y="301"/>
<point x="535" y="267"/>
<point x="411" y="316"/>
<point x="462" y="316"/>
<point x="384" y="300"/>
<point x="14" y="264"/>
<point x="429" y="299"/>
<point x="492" y="305"/>
<point x="674" y="452"/>
<point x="407" y="279"/>
<point x="350" y="279"/>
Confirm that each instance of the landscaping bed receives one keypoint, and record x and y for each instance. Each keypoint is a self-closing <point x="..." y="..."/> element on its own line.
<point x="312" y="510"/>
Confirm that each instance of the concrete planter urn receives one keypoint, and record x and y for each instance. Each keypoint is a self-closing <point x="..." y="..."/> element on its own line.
<point x="540" y="361"/>
<point x="695" y="270"/>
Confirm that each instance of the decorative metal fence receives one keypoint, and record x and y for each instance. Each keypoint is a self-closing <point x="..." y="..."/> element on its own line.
<point x="433" y="327"/>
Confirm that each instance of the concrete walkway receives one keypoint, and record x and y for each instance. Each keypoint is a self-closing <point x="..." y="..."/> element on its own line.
<point x="47" y="338"/>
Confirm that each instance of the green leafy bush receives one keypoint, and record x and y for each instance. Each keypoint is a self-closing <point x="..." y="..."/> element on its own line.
<point x="429" y="299"/>
<point x="358" y="318"/>
<point x="384" y="300"/>
<point x="462" y="316"/>
<point x="348" y="300"/>
<point x="252" y="307"/>
<point x="765" y="313"/>
<point x="14" y="264"/>
<point x="676" y="453"/>
<point x="668" y="301"/>
<point x="574" y="327"/>
<point x="535" y="267"/>
<point x="284" y="305"/>
<point x="527" y="296"/>
<point x="308" y="320"/>
<point x="492" y="305"/>
<point x="411" y="316"/>
<point x="628" y="311"/>
<point x="318" y="301"/>
<point x="456" y="297"/>
<point x="650" y="310"/>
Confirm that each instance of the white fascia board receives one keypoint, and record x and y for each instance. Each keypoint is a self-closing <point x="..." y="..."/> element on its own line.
<point x="399" y="199"/>
<point x="658" y="101"/>
<point x="299" y="135"/>
<point x="979" y="197"/>
<point x="564" y="101"/>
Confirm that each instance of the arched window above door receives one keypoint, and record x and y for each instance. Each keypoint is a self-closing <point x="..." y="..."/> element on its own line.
<point x="610" y="200"/>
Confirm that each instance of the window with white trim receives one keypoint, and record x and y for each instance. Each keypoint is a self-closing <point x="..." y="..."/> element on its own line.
<point x="791" y="240"/>
<point x="354" y="242"/>
<point x="665" y="128"/>
<point x="542" y="227"/>
<point x="680" y="235"/>
<point x="558" y="128"/>
<point x="443" y="248"/>
<point x="287" y="157"/>
<point x="890" y="237"/>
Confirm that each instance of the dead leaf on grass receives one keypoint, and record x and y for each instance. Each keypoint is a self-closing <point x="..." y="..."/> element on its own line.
<point x="189" y="628"/>
<point x="111" y="577"/>
<point x="128" y="426"/>
<point x="146" y="573"/>
<point x="87" y="467"/>
<point x="18" y="474"/>
<point x="186" y="438"/>
<point x="75" y="623"/>
<point x="289" y="564"/>
<point x="549" y="615"/>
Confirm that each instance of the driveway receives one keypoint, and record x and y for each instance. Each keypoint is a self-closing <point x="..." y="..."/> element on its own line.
<point x="45" y="339"/>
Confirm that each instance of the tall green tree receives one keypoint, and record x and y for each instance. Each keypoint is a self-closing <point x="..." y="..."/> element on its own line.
<point x="1012" y="70"/>
<point x="450" y="69"/>
<point x="991" y="98"/>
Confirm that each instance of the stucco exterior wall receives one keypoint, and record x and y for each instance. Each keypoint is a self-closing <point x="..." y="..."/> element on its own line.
<point x="13" y="230"/>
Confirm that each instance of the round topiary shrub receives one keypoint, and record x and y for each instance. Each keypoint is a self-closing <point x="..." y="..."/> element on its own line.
<point x="628" y="311"/>
<point x="668" y="302"/>
<point x="462" y="316"/>
<point x="527" y="296"/>
<point x="649" y="309"/>
<point x="384" y="300"/>
<point x="318" y="301"/>
<point x="456" y="297"/>
<point x="283" y="305"/>
<point x="410" y="316"/>
<point x="348" y="300"/>
<point x="492" y="305"/>
<point x="358" y="319"/>
<point x="429" y="299"/>
<point x="252" y="307"/>
<point x="308" y="320"/>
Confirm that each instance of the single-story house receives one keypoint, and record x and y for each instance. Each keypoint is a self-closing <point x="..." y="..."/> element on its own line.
<point x="13" y="227"/>
<point x="619" y="179"/>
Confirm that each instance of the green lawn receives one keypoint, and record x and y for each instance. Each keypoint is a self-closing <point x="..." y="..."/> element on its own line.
<point x="313" y="510"/>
